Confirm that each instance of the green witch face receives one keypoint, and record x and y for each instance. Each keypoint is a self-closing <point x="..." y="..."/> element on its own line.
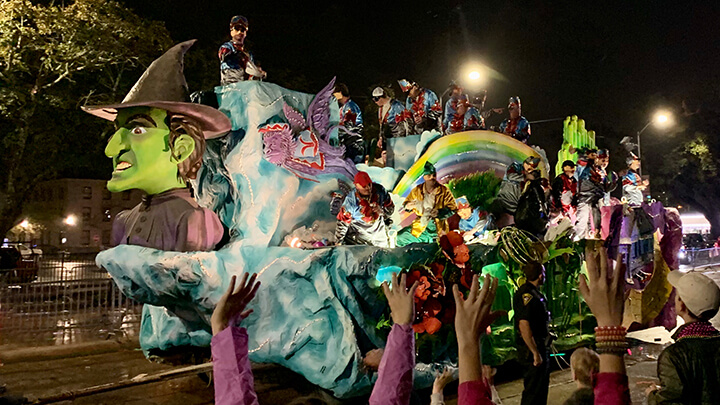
<point x="141" y="153"/>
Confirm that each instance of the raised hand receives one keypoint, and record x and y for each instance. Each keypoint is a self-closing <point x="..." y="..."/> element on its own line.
<point x="442" y="379"/>
<point x="606" y="298"/>
<point x="474" y="314"/>
<point x="400" y="299"/>
<point x="231" y="307"/>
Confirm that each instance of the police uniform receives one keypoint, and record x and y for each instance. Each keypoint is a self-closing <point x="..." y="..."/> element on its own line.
<point x="531" y="305"/>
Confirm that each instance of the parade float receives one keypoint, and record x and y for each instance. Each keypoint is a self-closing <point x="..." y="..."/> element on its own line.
<point x="272" y="180"/>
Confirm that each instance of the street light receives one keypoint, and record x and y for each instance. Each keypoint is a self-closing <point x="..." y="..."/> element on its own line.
<point x="70" y="220"/>
<point x="474" y="75"/>
<point x="661" y="119"/>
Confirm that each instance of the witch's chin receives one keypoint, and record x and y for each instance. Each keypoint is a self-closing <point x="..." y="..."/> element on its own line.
<point x="115" y="185"/>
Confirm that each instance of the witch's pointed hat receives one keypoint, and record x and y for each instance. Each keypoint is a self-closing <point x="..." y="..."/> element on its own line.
<point x="163" y="86"/>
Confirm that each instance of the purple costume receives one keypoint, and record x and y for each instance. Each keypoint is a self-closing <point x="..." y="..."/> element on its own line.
<point x="172" y="221"/>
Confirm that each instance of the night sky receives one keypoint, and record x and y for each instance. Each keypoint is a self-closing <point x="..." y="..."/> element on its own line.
<point x="611" y="64"/>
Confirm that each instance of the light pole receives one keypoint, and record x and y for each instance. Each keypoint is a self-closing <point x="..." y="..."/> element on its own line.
<point x="660" y="119"/>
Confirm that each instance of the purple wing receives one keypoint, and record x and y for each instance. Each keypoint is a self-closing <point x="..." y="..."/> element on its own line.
<point x="319" y="111"/>
<point x="294" y="118"/>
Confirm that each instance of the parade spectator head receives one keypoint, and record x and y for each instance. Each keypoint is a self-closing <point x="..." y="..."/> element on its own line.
<point x="430" y="175"/>
<point x="584" y="364"/>
<point x="531" y="163"/>
<point x="633" y="161"/>
<point x="568" y="168"/>
<point x="534" y="272"/>
<point x="454" y="247"/>
<point x="464" y="209"/>
<point x="363" y="184"/>
<point x="238" y="28"/>
<point x="380" y="96"/>
<point x="697" y="297"/>
<point x="603" y="158"/>
<point x="514" y="107"/>
<point x="341" y="93"/>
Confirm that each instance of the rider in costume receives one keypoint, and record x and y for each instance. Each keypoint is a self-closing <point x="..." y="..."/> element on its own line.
<point x="236" y="63"/>
<point x="516" y="126"/>
<point x="351" y="119"/>
<point x="363" y="216"/>
<point x="393" y="118"/>
<point x="433" y="203"/>
<point x="424" y="105"/>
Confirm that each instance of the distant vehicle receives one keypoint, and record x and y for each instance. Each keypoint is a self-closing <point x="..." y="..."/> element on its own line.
<point x="695" y="241"/>
<point x="28" y="251"/>
<point x="14" y="269"/>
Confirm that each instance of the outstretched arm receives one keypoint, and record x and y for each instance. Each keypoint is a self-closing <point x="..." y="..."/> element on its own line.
<point x="606" y="300"/>
<point x="234" y="384"/>
<point x="472" y="317"/>
<point x="395" y="375"/>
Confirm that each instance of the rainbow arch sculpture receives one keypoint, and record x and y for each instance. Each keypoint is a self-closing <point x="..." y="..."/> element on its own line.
<point x="463" y="153"/>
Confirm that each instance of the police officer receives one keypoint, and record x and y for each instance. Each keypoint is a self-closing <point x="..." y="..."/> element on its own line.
<point x="532" y="335"/>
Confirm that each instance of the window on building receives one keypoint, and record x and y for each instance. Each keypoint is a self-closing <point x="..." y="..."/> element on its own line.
<point x="85" y="238"/>
<point x="106" y="237"/>
<point x="106" y="216"/>
<point x="86" y="214"/>
<point x="126" y="195"/>
<point x="106" y="194"/>
<point x="87" y="193"/>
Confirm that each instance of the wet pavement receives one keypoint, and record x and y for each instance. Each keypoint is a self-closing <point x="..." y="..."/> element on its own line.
<point x="274" y="385"/>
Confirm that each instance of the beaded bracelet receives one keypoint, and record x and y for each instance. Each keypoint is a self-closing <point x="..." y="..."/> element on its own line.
<point x="611" y="340"/>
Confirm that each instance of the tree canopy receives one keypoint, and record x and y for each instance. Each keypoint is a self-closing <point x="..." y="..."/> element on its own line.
<point x="53" y="59"/>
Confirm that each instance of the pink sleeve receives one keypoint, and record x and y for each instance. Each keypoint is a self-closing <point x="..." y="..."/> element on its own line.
<point x="474" y="393"/>
<point x="611" y="389"/>
<point x="233" y="377"/>
<point x="395" y="376"/>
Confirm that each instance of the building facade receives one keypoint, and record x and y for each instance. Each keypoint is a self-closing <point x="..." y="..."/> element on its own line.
<point x="73" y="214"/>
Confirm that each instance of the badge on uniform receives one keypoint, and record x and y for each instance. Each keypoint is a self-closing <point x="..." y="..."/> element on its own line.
<point x="526" y="298"/>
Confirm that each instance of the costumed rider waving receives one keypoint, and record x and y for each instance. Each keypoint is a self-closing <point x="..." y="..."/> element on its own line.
<point x="433" y="203"/>
<point x="157" y="148"/>
<point x="365" y="214"/>
<point x="516" y="126"/>
<point x="424" y="106"/>
<point x="236" y="63"/>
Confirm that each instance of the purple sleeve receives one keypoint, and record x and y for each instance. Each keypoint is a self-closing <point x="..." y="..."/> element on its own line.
<point x="611" y="389"/>
<point x="233" y="377"/>
<point x="118" y="228"/>
<point x="200" y="230"/>
<point x="474" y="393"/>
<point x="395" y="375"/>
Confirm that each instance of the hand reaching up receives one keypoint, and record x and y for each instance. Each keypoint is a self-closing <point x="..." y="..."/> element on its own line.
<point x="606" y="294"/>
<point x="400" y="299"/>
<point x="472" y="318"/>
<point x="441" y="380"/>
<point x="231" y="307"/>
<point x="474" y="314"/>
